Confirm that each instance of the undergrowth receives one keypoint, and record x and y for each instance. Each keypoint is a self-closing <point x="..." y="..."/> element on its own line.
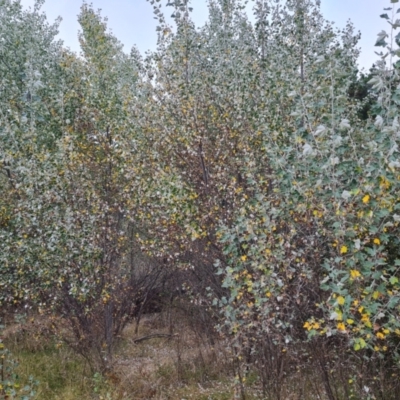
<point x="166" y="359"/>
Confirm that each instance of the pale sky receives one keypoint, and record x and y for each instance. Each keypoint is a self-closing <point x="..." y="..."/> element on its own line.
<point x="132" y="22"/>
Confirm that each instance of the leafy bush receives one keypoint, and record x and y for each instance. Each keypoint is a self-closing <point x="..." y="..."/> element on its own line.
<point x="238" y="157"/>
<point x="9" y="383"/>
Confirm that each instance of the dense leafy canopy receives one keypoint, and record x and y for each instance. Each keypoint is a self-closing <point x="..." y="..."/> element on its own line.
<point x="240" y="152"/>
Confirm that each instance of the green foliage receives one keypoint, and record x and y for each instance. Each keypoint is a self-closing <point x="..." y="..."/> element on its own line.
<point x="68" y="243"/>
<point x="10" y="386"/>
<point x="251" y="156"/>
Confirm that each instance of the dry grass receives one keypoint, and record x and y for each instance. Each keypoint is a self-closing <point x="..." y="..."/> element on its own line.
<point x="181" y="365"/>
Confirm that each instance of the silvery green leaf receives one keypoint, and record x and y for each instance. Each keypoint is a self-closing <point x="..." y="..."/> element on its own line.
<point x="395" y="124"/>
<point x="393" y="149"/>
<point x="344" y="124"/>
<point x="346" y="195"/>
<point x="376" y="82"/>
<point x="378" y="121"/>
<point x="320" y="129"/>
<point x="394" y="164"/>
<point x="326" y="279"/>
<point x="307" y="149"/>
<point x="333" y="316"/>
<point x="337" y="140"/>
<point x="381" y="39"/>
<point x="334" y="160"/>
<point x="396" y="24"/>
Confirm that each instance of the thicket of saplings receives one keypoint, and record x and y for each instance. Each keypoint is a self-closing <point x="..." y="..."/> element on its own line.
<point x="245" y="171"/>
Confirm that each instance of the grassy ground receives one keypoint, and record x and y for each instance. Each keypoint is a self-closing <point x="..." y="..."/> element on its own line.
<point x="181" y="367"/>
<point x="184" y="366"/>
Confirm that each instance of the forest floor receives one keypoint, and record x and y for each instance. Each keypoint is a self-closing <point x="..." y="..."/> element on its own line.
<point x="159" y="365"/>
<point x="165" y="359"/>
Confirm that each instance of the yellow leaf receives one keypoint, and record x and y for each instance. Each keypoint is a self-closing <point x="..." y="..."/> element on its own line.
<point x="307" y="325"/>
<point x="354" y="273"/>
<point x="380" y="335"/>
<point x="341" y="326"/>
<point x="365" y="199"/>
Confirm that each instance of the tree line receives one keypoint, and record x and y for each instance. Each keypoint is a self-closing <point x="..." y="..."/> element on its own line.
<point x="245" y="162"/>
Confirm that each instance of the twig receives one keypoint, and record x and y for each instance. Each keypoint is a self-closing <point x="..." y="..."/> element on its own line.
<point x="152" y="336"/>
